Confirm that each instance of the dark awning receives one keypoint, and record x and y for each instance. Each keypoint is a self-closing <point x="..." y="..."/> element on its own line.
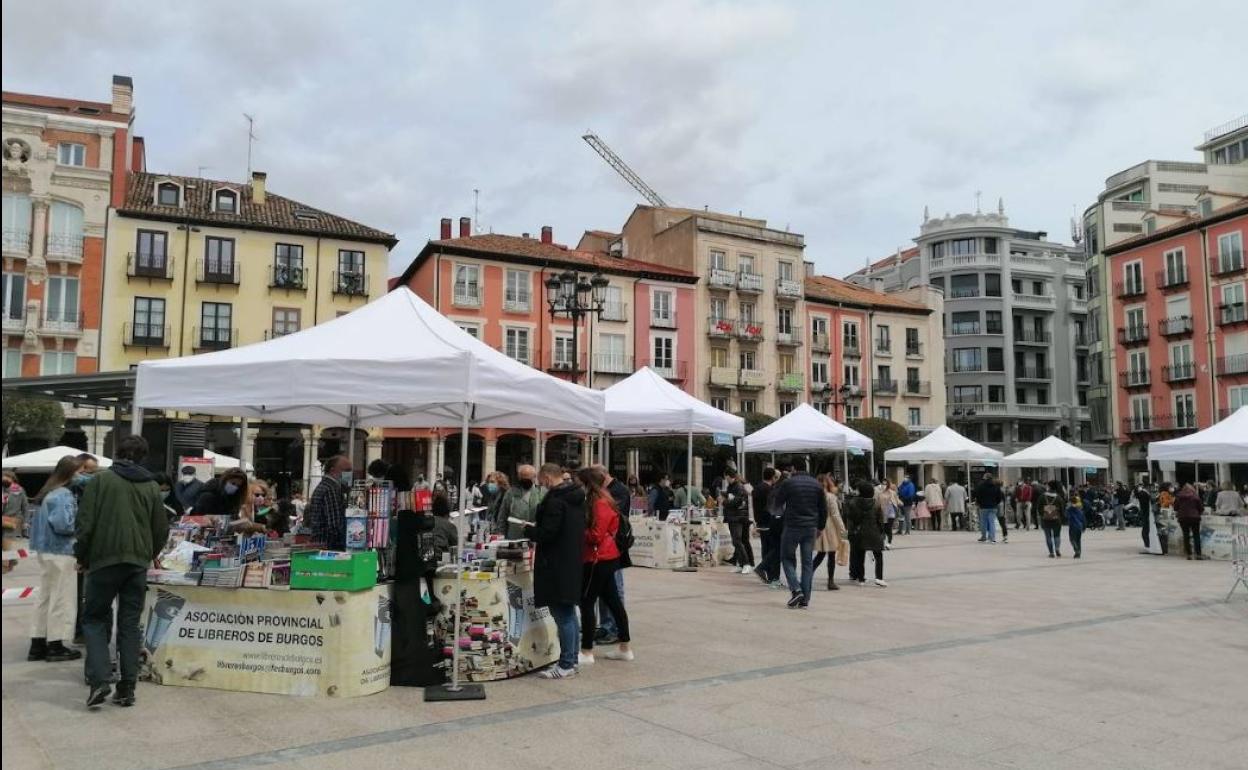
<point x="104" y="389"/>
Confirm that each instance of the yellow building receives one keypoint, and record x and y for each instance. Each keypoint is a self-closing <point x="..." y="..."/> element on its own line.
<point x="195" y="265"/>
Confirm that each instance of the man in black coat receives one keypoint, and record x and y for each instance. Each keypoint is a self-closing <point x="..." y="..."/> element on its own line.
<point x="989" y="498"/>
<point x="558" y="531"/>
<point x="769" y="528"/>
<point x="864" y="522"/>
<point x="805" y="513"/>
<point x="736" y="506"/>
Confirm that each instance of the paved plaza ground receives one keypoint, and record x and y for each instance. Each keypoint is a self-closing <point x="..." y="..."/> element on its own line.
<point x="976" y="656"/>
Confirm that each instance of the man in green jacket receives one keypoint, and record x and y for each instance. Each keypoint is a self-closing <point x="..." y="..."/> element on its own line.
<point x="120" y="530"/>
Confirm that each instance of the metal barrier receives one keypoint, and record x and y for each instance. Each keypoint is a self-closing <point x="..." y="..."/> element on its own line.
<point x="1239" y="557"/>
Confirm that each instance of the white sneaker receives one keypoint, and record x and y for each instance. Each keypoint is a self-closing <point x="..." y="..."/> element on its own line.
<point x="887" y="547"/>
<point x="585" y="659"/>
<point x="881" y="583"/>
<point x="747" y="569"/>
<point x="555" y="672"/>
<point x="618" y="655"/>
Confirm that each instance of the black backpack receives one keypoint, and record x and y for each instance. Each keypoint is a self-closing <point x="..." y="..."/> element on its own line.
<point x="624" y="540"/>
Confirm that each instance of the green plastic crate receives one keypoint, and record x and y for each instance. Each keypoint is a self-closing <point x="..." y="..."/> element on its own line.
<point x="333" y="570"/>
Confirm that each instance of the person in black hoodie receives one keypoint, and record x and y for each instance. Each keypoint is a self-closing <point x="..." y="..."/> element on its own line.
<point x="989" y="498"/>
<point x="769" y="528"/>
<point x="736" y="505"/>
<point x="805" y="513"/>
<point x="559" y="534"/>
<point x="864" y="523"/>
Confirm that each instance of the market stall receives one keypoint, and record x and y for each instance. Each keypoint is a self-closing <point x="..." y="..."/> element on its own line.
<point x="677" y="542"/>
<point x="943" y="445"/>
<point x="806" y="429"/>
<point x="44" y="460"/>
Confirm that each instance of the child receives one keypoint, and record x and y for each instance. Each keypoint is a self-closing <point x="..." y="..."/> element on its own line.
<point x="1075" y="524"/>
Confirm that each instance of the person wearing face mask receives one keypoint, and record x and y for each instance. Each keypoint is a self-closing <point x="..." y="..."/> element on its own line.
<point x="326" y="515"/>
<point x="188" y="487"/>
<point x="52" y="539"/>
<point x="169" y="496"/>
<point x="662" y="499"/>
<point x="520" y="502"/>
<point x="223" y="496"/>
<point x="493" y="492"/>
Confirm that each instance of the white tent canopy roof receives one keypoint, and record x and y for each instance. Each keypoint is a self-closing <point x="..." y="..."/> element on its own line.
<point x="943" y="443"/>
<point x="396" y="361"/>
<point x="44" y="460"/>
<point x="646" y="403"/>
<point x="806" y="429"/>
<point x="1054" y="453"/>
<point x="222" y="462"/>
<point x="1225" y="442"/>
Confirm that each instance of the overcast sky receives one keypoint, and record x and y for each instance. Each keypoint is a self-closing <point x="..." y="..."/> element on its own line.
<point x="839" y="120"/>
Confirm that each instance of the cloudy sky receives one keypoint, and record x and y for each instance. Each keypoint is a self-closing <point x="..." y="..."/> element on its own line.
<point x="839" y="120"/>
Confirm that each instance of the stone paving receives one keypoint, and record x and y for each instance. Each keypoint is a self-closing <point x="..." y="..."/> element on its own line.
<point x="975" y="656"/>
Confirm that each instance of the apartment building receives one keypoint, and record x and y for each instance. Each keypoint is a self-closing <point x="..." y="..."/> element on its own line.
<point x="1015" y="326"/>
<point x="1182" y="325"/>
<point x="1119" y="214"/>
<point x="495" y="288"/>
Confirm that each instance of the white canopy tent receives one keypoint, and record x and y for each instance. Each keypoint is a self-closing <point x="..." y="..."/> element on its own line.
<point x="45" y="460"/>
<point x="1052" y="452"/>
<point x="222" y="462"/>
<point x="806" y="429"/>
<point x="395" y="362"/>
<point x="943" y="444"/>
<point x="1224" y="442"/>
<point x="646" y="404"/>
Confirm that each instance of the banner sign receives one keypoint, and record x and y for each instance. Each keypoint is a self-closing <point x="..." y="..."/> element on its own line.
<point x="723" y="439"/>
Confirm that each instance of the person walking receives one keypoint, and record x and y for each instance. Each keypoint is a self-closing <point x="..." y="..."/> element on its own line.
<point x="558" y="534"/>
<point x="326" y="515"/>
<point x="890" y="504"/>
<point x="1051" y="506"/>
<point x="601" y="560"/>
<point x="906" y="493"/>
<point x="988" y="499"/>
<point x="52" y="540"/>
<point x="864" y="525"/>
<point x="520" y="502"/>
<point x="934" y="497"/>
<point x="120" y="530"/>
<point x="1075" y="523"/>
<point x="955" y="505"/>
<point x="608" y="631"/>
<point x="1122" y="496"/>
<point x="736" y="508"/>
<point x="1188" y="509"/>
<point x="831" y="543"/>
<point x="770" y="528"/>
<point x="805" y="513"/>
<point x="1022" y="504"/>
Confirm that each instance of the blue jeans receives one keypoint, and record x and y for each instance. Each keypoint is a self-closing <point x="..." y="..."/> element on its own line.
<point x="569" y="633"/>
<point x="903" y="526"/>
<point x="988" y="523"/>
<point x="606" y="621"/>
<point x="792" y="539"/>
<point x="1053" y="537"/>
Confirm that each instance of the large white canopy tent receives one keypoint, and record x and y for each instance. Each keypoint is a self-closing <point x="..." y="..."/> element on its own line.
<point x="646" y="404"/>
<point x="806" y="429"/>
<point x="1053" y="452"/>
<point x="1224" y="442"/>
<point x="395" y="362"/>
<point x="943" y="444"/>
<point x="222" y="462"/>
<point x="45" y="460"/>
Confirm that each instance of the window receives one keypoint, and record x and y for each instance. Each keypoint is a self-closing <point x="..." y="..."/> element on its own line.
<point x="516" y="344"/>
<point x="996" y="432"/>
<point x="747" y="360"/>
<point x="664" y="348"/>
<point x="883" y="342"/>
<point x="964" y="286"/>
<point x="912" y="341"/>
<point x="168" y="194"/>
<point x="1141" y="412"/>
<point x="719" y="308"/>
<point x="786" y="407"/>
<point x="151" y="251"/>
<point x="216" y="327"/>
<point x="14" y="296"/>
<point x="611" y="353"/>
<point x="719" y="357"/>
<point x="516" y="293"/>
<point x="613" y="305"/>
<point x="1016" y="286"/>
<point x="1230" y="252"/>
<point x="967" y="394"/>
<point x="784" y="321"/>
<point x="65" y="230"/>
<point x="1037" y="288"/>
<point x="849" y="335"/>
<point x="747" y="313"/>
<point x="992" y="284"/>
<point x="885" y="412"/>
<point x="992" y="322"/>
<point x="996" y="360"/>
<point x="472" y="329"/>
<point x="819" y="327"/>
<point x="915" y="417"/>
<point x="1133" y="278"/>
<point x="468" y="286"/>
<point x="219" y="257"/>
<point x="967" y="360"/>
<point x="61" y="301"/>
<point x="71" y="154"/>
<point x="17" y="220"/>
<point x="749" y="405"/>
<point x="853" y="411"/>
<point x="149" y="320"/>
<point x="1238" y="395"/>
<point x="912" y="374"/>
<point x="884" y="373"/>
<point x="12" y="362"/>
<point x="1076" y="291"/>
<point x="662" y="307"/>
<point x="960" y="246"/>
<point x="285" y="320"/>
<point x="1042" y="395"/>
<point x="990" y="245"/>
<point x="1020" y="395"/>
<point x="745" y="264"/>
<point x="938" y="282"/>
<point x="1233" y="295"/>
<point x="718" y="260"/>
<point x="1176" y="267"/>
<point x="561" y="356"/>
<point x="62" y="362"/>
<point x="938" y="249"/>
<point x="288" y="265"/>
<point x="851" y="375"/>
<point x="225" y="201"/>
<point x="350" y="262"/>
<point x="819" y="372"/>
<point x="786" y="361"/>
<point x="1184" y="410"/>
<point x="784" y="270"/>
<point x="1137" y="367"/>
<point x="996" y="394"/>
<point x="720" y="403"/>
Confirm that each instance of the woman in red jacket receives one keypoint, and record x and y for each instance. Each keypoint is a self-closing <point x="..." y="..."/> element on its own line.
<point x="601" y="558"/>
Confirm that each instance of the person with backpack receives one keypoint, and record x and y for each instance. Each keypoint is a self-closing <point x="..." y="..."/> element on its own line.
<point x="608" y="631"/>
<point x="1051" y="507"/>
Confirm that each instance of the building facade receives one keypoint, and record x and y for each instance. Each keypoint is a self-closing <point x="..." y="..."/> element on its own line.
<point x="1015" y="327"/>
<point x="1118" y="215"/>
<point x="1182" y="325"/>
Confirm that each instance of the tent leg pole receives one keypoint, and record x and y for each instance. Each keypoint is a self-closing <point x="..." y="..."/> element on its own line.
<point x="136" y="424"/>
<point x="689" y="462"/>
<point x="352" y="421"/>
<point x="846" y="479"/>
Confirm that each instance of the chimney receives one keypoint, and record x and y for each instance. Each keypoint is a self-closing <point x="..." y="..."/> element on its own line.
<point x="548" y="234"/>
<point x="465" y="227"/>
<point x="810" y="269"/>
<point x="138" y="155"/>
<point x="257" y="187"/>
<point x="123" y="94"/>
<point x="445" y="232"/>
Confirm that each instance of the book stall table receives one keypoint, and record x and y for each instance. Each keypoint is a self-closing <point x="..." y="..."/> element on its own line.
<point x="676" y="543"/>
<point x="1216" y="537"/>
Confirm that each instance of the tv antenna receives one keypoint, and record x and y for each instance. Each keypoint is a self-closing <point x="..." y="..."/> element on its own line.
<point x="251" y="137"/>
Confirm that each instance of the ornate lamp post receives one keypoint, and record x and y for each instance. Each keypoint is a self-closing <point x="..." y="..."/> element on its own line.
<point x="571" y="295"/>
<point x="846" y="393"/>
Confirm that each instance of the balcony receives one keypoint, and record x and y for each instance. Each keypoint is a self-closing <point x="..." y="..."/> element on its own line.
<point x="1078" y="305"/>
<point x="790" y="383"/>
<point x="914" y="350"/>
<point x="1172" y="279"/>
<point x="965" y="260"/>
<point x="884" y="387"/>
<point x="1234" y="313"/>
<point x="670" y="370"/>
<point x="820" y="342"/>
<point x="789" y="339"/>
<point x="1129" y="289"/>
<point x="962" y="292"/>
<point x="1134" y="378"/>
<point x="218" y="273"/>
<point x="787" y="288"/>
<point x="663" y="320"/>
<point x="722" y="377"/>
<point x="606" y="363"/>
<point x="748" y="282"/>
<point x="750" y="331"/>
<point x="721" y="328"/>
<point x="214" y="338"/>
<point x="1229" y="263"/>
<point x="143" y="335"/>
<point x="1082" y="340"/>
<point x="751" y="379"/>
<point x="1160" y="423"/>
<point x="820" y="386"/>
<point x="272" y="334"/>
<point x="64" y="248"/>
<point x="921" y="388"/>
<point x="1033" y="373"/>
<point x="850" y="348"/>
<point x="1032" y="337"/>
<point x="289" y="277"/>
<point x="614" y="311"/>
<point x="975" y="408"/>
<point x="465" y="296"/>
<point x="16" y="242"/>
<point x="61" y="323"/>
<point x="518" y="304"/>
<point x="1037" y="411"/>
<point x="1232" y="366"/>
<point x="884" y="347"/>
<point x="1038" y="301"/>
<point x="721" y="278"/>
<point x="1185" y="372"/>
<point x="1180" y="326"/>
<point x="964" y="367"/>
<point x="964" y="329"/>
<point x="350" y="283"/>
<point x="15" y="319"/>
<point x="1133" y="335"/>
<point x="565" y="365"/>
<point x="154" y="267"/>
<point x="994" y="328"/>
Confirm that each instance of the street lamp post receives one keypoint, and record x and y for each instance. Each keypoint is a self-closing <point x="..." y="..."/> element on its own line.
<point x="845" y="392"/>
<point x="571" y="295"/>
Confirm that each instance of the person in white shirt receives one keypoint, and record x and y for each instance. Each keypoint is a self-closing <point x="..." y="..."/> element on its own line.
<point x="935" y="500"/>
<point x="955" y="504"/>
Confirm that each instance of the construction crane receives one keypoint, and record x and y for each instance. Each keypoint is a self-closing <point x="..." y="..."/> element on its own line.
<point x="621" y="168"/>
